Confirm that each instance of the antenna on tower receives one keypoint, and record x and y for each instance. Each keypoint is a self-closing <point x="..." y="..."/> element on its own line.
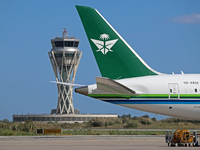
<point x="65" y="32"/>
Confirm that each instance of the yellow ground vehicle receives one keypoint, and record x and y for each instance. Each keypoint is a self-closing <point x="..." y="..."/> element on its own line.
<point x="181" y="138"/>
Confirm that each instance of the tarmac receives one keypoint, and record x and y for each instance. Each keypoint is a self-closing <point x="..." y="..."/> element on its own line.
<point x="86" y="142"/>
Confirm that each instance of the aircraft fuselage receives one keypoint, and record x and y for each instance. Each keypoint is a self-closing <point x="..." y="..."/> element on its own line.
<point x="171" y="95"/>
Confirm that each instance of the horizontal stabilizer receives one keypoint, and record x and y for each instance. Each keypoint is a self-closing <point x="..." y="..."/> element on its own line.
<point x="70" y="84"/>
<point x="109" y="86"/>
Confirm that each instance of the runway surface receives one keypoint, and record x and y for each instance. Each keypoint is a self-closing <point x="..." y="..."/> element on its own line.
<point x="85" y="142"/>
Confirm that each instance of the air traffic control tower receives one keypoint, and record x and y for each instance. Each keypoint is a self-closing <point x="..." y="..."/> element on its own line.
<point x="65" y="57"/>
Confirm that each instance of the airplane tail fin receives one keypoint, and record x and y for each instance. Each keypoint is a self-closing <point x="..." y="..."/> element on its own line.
<point x="115" y="58"/>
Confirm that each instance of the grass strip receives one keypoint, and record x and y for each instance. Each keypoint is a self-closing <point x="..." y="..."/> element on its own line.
<point x="111" y="132"/>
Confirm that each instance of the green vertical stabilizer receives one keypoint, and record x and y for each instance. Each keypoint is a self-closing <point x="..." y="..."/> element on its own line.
<point x="115" y="58"/>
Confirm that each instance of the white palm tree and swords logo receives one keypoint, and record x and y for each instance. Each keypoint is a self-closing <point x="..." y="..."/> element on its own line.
<point x="104" y="46"/>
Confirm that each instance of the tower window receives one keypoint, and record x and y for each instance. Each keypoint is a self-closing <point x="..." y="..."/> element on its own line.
<point x="58" y="55"/>
<point x="69" y="55"/>
<point x="69" y="43"/>
<point x="53" y="44"/>
<point x="76" y="44"/>
<point x="59" y="43"/>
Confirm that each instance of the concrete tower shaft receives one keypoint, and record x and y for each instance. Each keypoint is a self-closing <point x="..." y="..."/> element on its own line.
<point x="65" y="57"/>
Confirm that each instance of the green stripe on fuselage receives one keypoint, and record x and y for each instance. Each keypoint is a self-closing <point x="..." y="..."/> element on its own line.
<point x="155" y="96"/>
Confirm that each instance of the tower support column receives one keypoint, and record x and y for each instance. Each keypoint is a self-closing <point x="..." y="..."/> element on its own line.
<point x="65" y="72"/>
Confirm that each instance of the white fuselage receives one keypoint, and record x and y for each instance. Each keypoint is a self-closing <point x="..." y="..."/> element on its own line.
<point x="171" y="95"/>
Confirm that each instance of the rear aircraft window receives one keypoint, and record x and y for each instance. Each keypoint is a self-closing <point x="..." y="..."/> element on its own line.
<point x="195" y="90"/>
<point x="186" y="90"/>
<point x="170" y="90"/>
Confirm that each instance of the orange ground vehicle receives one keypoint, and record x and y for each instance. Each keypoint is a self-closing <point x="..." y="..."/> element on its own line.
<point x="181" y="138"/>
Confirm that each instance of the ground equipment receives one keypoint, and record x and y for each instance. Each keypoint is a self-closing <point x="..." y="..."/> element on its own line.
<point x="182" y="138"/>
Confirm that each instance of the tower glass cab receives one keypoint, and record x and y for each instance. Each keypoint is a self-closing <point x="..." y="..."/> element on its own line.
<point x="65" y="57"/>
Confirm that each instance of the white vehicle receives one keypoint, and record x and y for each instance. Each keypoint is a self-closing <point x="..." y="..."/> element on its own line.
<point x="128" y="81"/>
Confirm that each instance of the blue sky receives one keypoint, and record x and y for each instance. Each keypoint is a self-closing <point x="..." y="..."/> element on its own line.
<point x="165" y="34"/>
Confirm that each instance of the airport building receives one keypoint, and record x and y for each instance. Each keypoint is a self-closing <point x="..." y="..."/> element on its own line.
<point x="64" y="57"/>
<point x="64" y="118"/>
